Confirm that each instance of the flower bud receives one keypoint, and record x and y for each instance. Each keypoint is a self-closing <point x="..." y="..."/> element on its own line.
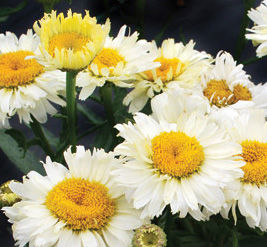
<point x="149" y="235"/>
<point x="7" y="197"/>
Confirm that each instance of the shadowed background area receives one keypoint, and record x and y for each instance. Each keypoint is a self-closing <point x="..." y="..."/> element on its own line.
<point x="213" y="24"/>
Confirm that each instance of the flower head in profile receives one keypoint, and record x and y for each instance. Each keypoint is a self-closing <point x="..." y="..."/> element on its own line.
<point x="183" y="164"/>
<point x="249" y="129"/>
<point x="71" y="42"/>
<point x="7" y="197"/>
<point x="26" y="87"/>
<point x="149" y="235"/>
<point x="226" y="84"/>
<point x="181" y="65"/>
<point x="121" y="58"/>
<point x="258" y="31"/>
<point x="78" y="206"/>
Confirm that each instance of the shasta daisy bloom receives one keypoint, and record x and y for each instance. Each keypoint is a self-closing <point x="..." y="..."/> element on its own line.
<point x="74" y="207"/>
<point x="183" y="164"/>
<point x="118" y="62"/>
<point x="168" y="106"/>
<point x="26" y="87"/>
<point x="258" y="33"/>
<point x="228" y="85"/>
<point x="180" y="64"/>
<point x="71" y="42"/>
<point x="249" y="129"/>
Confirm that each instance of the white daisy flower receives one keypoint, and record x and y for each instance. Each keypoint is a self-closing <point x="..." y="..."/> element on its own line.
<point x="168" y="106"/>
<point x="26" y="87"/>
<point x="180" y="64"/>
<point x="69" y="42"/>
<point x="77" y="207"/>
<point x="258" y="33"/>
<point x="228" y="85"/>
<point x="249" y="129"/>
<point x="183" y="164"/>
<point x="118" y="62"/>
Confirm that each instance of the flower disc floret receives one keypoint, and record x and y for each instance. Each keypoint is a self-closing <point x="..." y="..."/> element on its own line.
<point x="254" y="154"/>
<point x="108" y="58"/>
<point x="71" y="42"/>
<point x="219" y="93"/>
<point x="176" y="154"/>
<point x="18" y="71"/>
<point x="170" y="68"/>
<point x="81" y="204"/>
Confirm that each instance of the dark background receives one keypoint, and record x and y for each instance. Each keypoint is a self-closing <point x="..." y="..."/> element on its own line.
<point x="213" y="24"/>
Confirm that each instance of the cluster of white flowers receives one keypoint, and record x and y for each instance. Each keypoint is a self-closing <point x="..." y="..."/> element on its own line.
<point x="202" y="151"/>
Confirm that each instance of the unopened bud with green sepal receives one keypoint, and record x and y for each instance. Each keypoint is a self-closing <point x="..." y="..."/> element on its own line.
<point x="7" y="197"/>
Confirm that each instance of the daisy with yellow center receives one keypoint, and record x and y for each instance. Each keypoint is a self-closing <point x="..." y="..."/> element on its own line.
<point x="226" y="84"/>
<point x="258" y="31"/>
<point x="71" y="42"/>
<point x="26" y="87"/>
<point x="183" y="164"/>
<point x="249" y="129"/>
<point x="181" y="65"/>
<point x="118" y="62"/>
<point x="79" y="206"/>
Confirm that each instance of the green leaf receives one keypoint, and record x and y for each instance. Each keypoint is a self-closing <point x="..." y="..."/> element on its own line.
<point x="51" y="138"/>
<point x="3" y="18"/>
<point x="19" y="137"/>
<point x="6" y="11"/>
<point x="59" y="115"/>
<point x="89" y="114"/>
<point x="104" y="138"/>
<point x="25" y="162"/>
<point x="120" y="111"/>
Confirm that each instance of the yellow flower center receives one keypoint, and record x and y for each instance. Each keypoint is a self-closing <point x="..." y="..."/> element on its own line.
<point x="169" y="69"/>
<point x="108" y="58"/>
<point x="69" y="41"/>
<point x="254" y="154"/>
<point x="81" y="204"/>
<point x="16" y="71"/>
<point x="176" y="154"/>
<point x="219" y="93"/>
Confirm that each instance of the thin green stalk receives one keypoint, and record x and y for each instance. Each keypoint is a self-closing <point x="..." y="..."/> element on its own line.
<point x="106" y="96"/>
<point x="71" y="108"/>
<point x="39" y="133"/>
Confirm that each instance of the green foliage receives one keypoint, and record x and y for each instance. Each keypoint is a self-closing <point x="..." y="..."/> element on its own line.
<point x="24" y="161"/>
<point x="5" y="12"/>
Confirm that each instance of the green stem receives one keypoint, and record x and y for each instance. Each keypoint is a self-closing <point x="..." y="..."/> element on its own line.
<point x="106" y="96"/>
<point x="71" y="108"/>
<point x="39" y="133"/>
